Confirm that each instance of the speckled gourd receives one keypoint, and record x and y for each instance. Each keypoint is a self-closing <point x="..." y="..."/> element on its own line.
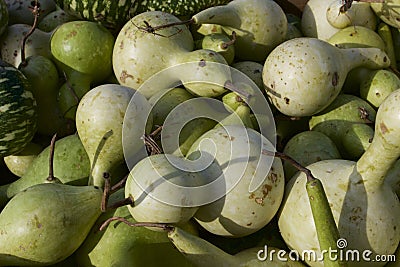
<point x="304" y="67"/>
<point x="138" y="55"/>
<point x="364" y="205"/>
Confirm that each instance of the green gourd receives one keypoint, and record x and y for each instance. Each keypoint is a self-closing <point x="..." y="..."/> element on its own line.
<point x="252" y="69"/>
<point x="254" y="183"/>
<point x="360" y="14"/>
<point x="357" y="36"/>
<point x="356" y="139"/>
<point x="289" y="86"/>
<point x="123" y="245"/>
<point x="364" y="205"/>
<point x="260" y="25"/>
<point x="54" y="19"/>
<point x="377" y="85"/>
<point x="388" y="12"/>
<point x="338" y="118"/>
<point x="100" y="124"/>
<point x="20" y="12"/>
<point x="70" y="163"/>
<point x="11" y="42"/>
<point x="163" y="189"/>
<point x="219" y="42"/>
<point x="136" y="59"/>
<point x="46" y="223"/>
<point x="43" y="76"/>
<point x="308" y="147"/>
<point x="19" y="163"/>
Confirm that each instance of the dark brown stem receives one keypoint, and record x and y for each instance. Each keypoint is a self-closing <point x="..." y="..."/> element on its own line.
<point x="106" y="191"/>
<point x="162" y="226"/>
<point x="151" y="146"/>
<point x="243" y="94"/>
<point x="289" y="159"/>
<point x="231" y="42"/>
<point x="51" y="177"/>
<point x="36" y="13"/>
<point x="153" y="29"/>
<point x="119" y="185"/>
<point x="124" y="202"/>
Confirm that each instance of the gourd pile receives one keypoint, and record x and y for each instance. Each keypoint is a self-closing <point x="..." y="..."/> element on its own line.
<point x="199" y="133"/>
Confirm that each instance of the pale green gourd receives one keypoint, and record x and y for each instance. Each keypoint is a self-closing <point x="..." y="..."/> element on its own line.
<point x="100" y="122"/>
<point x="139" y="54"/>
<point x="219" y="42"/>
<point x="360" y="14"/>
<point x="70" y="165"/>
<point x="158" y="187"/>
<point x="11" y="41"/>
<point x="364" y="205"/>
<point x="20" y="162"/>
<point x="301" y="67"/>
<point x="357" y="36"/>
<point x="260" y="25"/>
<point x="254" y="182"/>
<point x="46" y="223"/>
<point x="388" y="11"/>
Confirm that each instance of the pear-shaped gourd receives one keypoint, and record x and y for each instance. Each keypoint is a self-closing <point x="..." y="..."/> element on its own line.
<point x="20" y="12"/>
<point x="139" y="54"/>
<point x="19" y="163"/>
<point x="253" y="182"/>
<point x="302" y="76"/>
<point x="43" y="76"/>
<point x="260" y="25"/>
<point x="221" y="43"/>
<point x="54" y="19"/>
<point x="360" y="14"/>
<point x="46" y="223"/>
<point x="84" y="46"/>
<point x="337" y="120"/>
<point x="357" y="36"/>
<point x="365" y="208"/>
<point x="122" y="245"/>
<point x="308" y="147"/>
<point x="100" y="121"/>
<point x="164" y="191"/>
<point x="70" y="165"/>
<point x="11" y="42"/>
<point x="388" y="11"/>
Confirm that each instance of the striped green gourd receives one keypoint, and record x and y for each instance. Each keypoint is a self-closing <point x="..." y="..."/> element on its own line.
<point x="18" y="113"/>
<point x="115" y="13"/>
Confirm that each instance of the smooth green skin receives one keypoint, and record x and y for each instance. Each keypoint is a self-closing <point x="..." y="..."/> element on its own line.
<point x="43" y="76"/>
<point x="260" y="26"/>
<point x="215" y="42"/>
<point x="85" y="47"/>
<point x="357" y="139"/>
<point x="358" y="192"/>
<point x="54" y="19"/>
<point x="378" y="85"/>
<point x="19" y="163"/>
<point x="71" y="166"/>
<point x="357" y="36"/>
<point x="252" y="69"/>
<point x="99" y="123"/>
<point x="46" y="223"/>
<point x="393" y="177"/>
<point x="232" y="100"/>
<point x="4" y="17"/>
<point x="335" y="120"/>
<point x="240" y="116"/>
<point x="37" y="44"/>
<point x="72" y="91"/>
<point x="353" y="80"/>
<point x="123" y="245"/>
<point x="386" y="35"/>
<point x="20" y="12"/>
<point x="308" y="147"/>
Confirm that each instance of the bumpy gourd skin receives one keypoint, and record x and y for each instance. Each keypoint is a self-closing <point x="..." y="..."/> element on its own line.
<point x="364" y="204"/>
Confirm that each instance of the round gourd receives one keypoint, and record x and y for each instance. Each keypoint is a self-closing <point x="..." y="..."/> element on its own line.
<point x="18" y="113"/>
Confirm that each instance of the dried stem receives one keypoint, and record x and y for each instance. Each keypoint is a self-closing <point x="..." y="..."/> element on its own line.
<point x="231" y="42"/>
<point x="124" y="202"/>
<point x="119" y="185"/>
<point x="51" y="177"/>
<point x="162" y="226"/>
<point x="36" y="13"/>
<point x="289" y="159"/>
<point x="106" y="191"/>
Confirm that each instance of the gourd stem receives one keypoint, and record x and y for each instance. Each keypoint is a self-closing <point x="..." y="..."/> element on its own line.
<point x="51" y="177"/>
<point x="36" y="13"/>
<point x="231" y="42"/>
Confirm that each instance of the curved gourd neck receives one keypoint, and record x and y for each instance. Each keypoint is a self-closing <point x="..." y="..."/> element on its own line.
<point x="369" y="57"/>
<point x="222" y="15"/>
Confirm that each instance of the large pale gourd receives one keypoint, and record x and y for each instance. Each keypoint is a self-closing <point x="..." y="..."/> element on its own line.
<point x="244" y="208"/>
<point x="138" y="55"/>
<point x="364" y="204"/>
<point x="99" y="122"/>
<point x="388" y="11"/>
<point x="302" y="76"/>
